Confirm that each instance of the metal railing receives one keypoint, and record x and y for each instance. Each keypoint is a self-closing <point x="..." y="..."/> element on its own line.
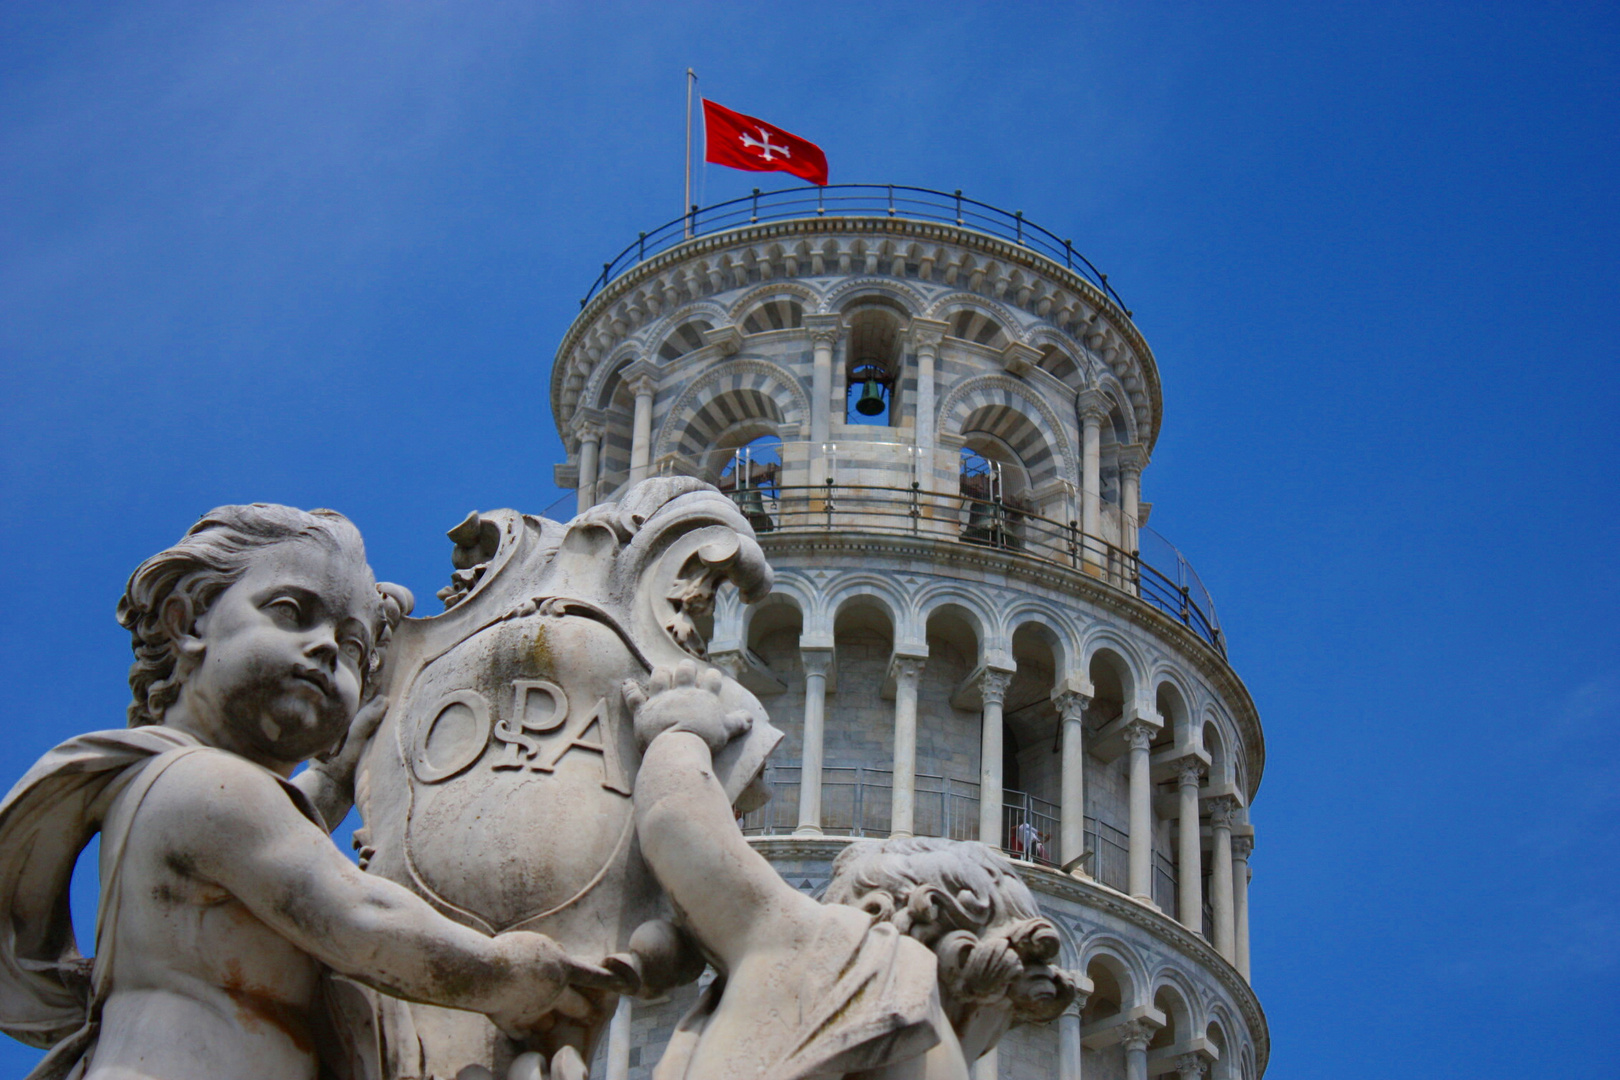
<point x="1029" y="827"/>
<point x="1111" y="864"/>
<point x="854" y="200"/>
<point x="856" y="801"/>
<point x="1165" y="580"/>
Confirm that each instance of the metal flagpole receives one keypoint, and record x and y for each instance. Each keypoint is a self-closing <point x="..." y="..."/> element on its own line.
<point x="686" y="206"/>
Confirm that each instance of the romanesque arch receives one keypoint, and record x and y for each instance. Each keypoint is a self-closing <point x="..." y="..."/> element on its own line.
<point x="1001" y="406"/>
<point x="734" y="391"/>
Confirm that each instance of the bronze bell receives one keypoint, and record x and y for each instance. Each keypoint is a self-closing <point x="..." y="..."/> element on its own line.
<point x="871" y="399"/>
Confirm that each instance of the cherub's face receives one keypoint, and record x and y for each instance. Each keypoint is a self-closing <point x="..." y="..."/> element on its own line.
<point x="285" y="650"/>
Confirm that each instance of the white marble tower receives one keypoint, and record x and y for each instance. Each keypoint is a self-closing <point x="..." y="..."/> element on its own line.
<point x="938" y="417"/>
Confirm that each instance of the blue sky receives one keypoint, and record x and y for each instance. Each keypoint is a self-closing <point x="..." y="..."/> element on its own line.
<point x="322" y="254"/>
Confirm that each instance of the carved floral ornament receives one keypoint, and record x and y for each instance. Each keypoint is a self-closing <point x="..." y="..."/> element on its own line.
<point x="1223" y="812"/>
<point x="1136" y="1034"/>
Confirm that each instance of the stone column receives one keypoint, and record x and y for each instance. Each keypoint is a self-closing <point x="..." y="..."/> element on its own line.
<point x="1069" y="1045"/>
<point x="1093" y="407"/>
<point x="1191" y="1066"/>
<point x="1139" y="736"/>
<point x="1134" y="1036"/>
<point x="987" y="1067"/>
<point x="618" y="1047"/>
<point x="1072" y="827"/>
<point x="1191" y="886"/>
<point x="1131" y="460"/>
<point x="590" y="434"/>
<point x="926" y="334"/>
<point x="823" y="335"/>
<point x="1242" y="847"/>
<point x="907" y="670"/>
<point x="992" y="688"/>
<point x="815" y="713"/>
<point x="641" y="381"/>
<point x="1222" y="812"/>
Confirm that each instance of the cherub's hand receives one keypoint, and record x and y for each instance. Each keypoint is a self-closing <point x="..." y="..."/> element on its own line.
<point x="684" y="698"/>
<point x="339" y="768"/>
<point x="546" y="979"/>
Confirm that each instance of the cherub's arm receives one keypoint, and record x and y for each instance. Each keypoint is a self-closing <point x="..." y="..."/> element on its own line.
<point x="731" y="898"/>
<point x="227" y="822"/>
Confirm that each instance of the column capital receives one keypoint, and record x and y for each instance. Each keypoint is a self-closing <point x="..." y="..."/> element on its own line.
<point x="1136" y="1034"/>
<point x="823" y="328"/>
<point x="587" y="425"/>
<point x="1223" y="811"/>
<point x="1018" y="358"/>
<point x="926" y="334"/>
<point x="815" y="661"/>
<point x="727" y="340"/>
<point x="1191" y="1066"/>
<point x="641" y="379"/>
<point x="1078" y="1006"/>
<point x="1093" y="405"/>
<point x="1242" y="847"/>
<point x="1071" y="704"/>
<point x="1139" y="734"/>
<point x="1131" y="459"/>
<point x="1188" y="772"/>
<point x="993" y="685"/>
<point x="906" y="667"/>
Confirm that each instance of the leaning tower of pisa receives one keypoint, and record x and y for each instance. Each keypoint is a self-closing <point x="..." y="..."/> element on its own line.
<point x="937" y="416"/>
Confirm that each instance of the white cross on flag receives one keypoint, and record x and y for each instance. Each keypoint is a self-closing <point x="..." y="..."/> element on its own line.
<point x="744" y="142"/>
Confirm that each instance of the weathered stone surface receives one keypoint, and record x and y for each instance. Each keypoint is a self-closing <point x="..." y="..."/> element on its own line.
<point x="223" y="901"/>
<point x="499" y="785"/>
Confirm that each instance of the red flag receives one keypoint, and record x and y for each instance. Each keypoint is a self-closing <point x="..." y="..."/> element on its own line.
<point x="744" y="142"/>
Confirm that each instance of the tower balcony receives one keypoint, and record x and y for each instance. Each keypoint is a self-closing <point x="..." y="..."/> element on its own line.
<point x="793" y="490"/>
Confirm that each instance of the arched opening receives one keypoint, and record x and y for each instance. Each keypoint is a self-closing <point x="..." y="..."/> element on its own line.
<point x="1111" y="990"/>
<point x="783" y="313"/>
<point x="771" y="640"/>
<point x="1007" y="469"/>
<point x="1220" y="768"/>
<point x="1108" y="788"/>
<point x="995" y="491"/>
<point x="618" y="407"/>
<point x="1222" y="1069"/>
<point x="685" y="338"/>
<point x="1031" y="778"/>
<point x="752" y="476"/>
<point x="979" y="328"/>
<point x="857" y="774"/>
<point x="872" y="365"/>
<point x="1171" y="706"/>
<point x="725" y="422"/>
<point x="947" y="799"/>
<point x="1057" y="362"/>
<point x="1177" y="1028"/>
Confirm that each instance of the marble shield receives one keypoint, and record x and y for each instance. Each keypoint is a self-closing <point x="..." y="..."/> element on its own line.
<point x="498" y="786"/>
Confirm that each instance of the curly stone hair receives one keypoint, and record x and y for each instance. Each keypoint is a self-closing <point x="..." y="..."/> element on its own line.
<point x="213" y="555"/>
<point x="965" y="902"/>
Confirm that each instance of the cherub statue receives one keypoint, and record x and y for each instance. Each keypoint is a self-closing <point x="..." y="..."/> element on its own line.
<point x="222" y="897"/>
<point x="923" y="956"/>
